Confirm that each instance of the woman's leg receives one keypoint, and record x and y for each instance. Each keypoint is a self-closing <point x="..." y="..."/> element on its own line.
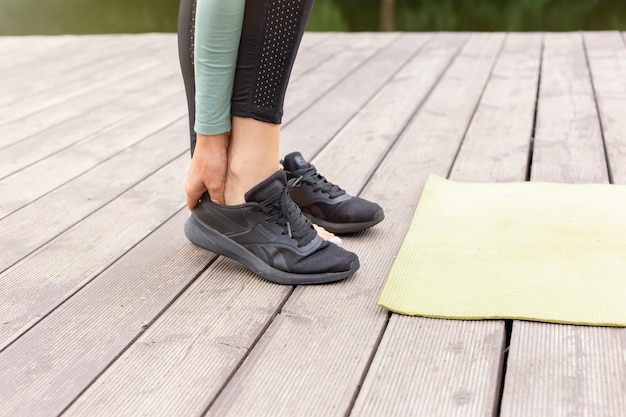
<point x="186" y="37"/>
<point x="209" y="33"/>
<point x="268" y="234"/>
<point x="270" y="39"/>
<point x="272" y="30"/>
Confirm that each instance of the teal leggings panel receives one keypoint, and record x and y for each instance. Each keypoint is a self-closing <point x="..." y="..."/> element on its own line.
<point x="217" y="34"/>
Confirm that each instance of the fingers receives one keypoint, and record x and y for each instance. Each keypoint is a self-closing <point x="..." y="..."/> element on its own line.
<point x="216" y="193"/>
<point x="208" y="168"/>
<point x="196" y="186"/>
<point x="193" y="191"/>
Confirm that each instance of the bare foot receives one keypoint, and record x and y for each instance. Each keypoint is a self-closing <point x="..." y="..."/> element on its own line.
<point x="326" y="235"/>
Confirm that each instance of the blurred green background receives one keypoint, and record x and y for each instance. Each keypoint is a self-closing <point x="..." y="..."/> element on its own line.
<point x="21" y="17"/>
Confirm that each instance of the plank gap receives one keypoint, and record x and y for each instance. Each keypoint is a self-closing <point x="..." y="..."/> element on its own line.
<point x="144" y="328"/>
<point x="508" y="330"/>
<point x="418" y="107"/>
<point x="338" y="82"/>
<point x="244" y="357"/>
<point x="609" y="171"/>
<point x="378" y="90"/>
<point x="70" y="294"/>
<point x="531" y="144"/>
<point x="480" y="99"/>
<point x="368" y="365"/>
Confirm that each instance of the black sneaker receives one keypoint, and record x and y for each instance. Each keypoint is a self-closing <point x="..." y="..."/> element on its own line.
<point x="325" y="203"/>
<point x="269" y="235"/>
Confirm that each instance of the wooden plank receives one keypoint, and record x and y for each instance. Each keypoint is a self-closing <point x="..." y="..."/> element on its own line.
<point x="305" y="91"/>
<point x="607" y="59"/>
<point x="39" y="222"/>
<point x="497" y="145"/>
<point x="313" y="39"/>
<point x="559" y="370"/>
<point x="201" y="357"/>
<point x="32" y="288"/>
<point x="430" y="367"/>
<point x="42" y="122"/>
<point x="568" y="141"/>
<point x="390" y="108"/>
<point x="47" y="368"/>
<point x="12" y="46"/>
<point x="50" y="114"/>
<point x="196" y="343"/>
<point x="135" y="94"/>
<point x="446" y="367"/>
<point x="32" y="56"/>
<point x="553" y="369"/>
<point x="328" y="333"/>
<point x="324" y="51"/>
<point x="7" y="43"/>
<point x="48" y="174"/>
<point x="139" y="62"/>
<point x="72" y="64"/>
<point x="32" y="48"/>
<point x="328" y="115"/>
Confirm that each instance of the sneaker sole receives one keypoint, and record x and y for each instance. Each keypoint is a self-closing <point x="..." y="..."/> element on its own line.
<point x="340" y="228"/>
<point x="210" y="239"/>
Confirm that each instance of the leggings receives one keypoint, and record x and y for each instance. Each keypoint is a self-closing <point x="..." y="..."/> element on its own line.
<point x="236" y="58"/>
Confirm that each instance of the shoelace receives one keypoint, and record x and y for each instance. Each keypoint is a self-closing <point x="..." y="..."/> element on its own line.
<point x="319" y="182"/>
<point x="282" y="210"/>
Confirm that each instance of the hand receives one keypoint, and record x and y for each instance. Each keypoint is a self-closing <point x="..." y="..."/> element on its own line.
<point x="208" y="169"/>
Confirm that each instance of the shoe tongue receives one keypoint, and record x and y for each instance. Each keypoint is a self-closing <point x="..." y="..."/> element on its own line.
<point x="294" y="162"/>
<point x="270" y="187"/>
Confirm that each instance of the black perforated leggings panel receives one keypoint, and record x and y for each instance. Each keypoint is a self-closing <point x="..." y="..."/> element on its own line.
<point x="270" y="38"/>
<point x="272" y="31"/>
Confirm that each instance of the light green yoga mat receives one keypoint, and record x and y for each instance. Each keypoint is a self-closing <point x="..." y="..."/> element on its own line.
<point x="530" y="251"/>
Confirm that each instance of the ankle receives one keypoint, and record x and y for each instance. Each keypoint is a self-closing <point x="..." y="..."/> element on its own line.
<point x="240" y="179"/>
<point x="253" y="155"/>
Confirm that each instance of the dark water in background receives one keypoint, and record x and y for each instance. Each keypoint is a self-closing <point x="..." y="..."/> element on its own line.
<point x="18" y="17"/>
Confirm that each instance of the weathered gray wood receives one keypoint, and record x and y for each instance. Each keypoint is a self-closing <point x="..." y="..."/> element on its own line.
<point x="202" y="356"/>
<point x="50" y="365"/>
<point x="312" y="39"/>
<point x="328" y="115"/>
<point x="7" y="43"/>
<point x="607" y="60"/>
<point x="54" y="63"/>
<point x="560" y="370"/>
<point x="48" y="114"/>
<point x="42" y="281"/>
<point x="328" y="49"/>
<point x="37" y="223"/>
<point x="352" y="53"/>
<point x="135" y="94"/>
<point x="439" y="367"/>
<point x="179" y="365"/>
<point x="31" y="49"/>
<point x="431" y="367"/>
<point x="557" y="370"/>
<point x="379" y="123"/>
<point x="568" y="142"/>
<point x="44" y="176"/>
<point x="70" y="65"/>
<point x="317" y="349"/>
<point x="497" y="144"/>
<point x="139" y="62"/>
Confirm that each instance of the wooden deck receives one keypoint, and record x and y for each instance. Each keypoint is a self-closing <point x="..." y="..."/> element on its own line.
<point x="107" y="310"/>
